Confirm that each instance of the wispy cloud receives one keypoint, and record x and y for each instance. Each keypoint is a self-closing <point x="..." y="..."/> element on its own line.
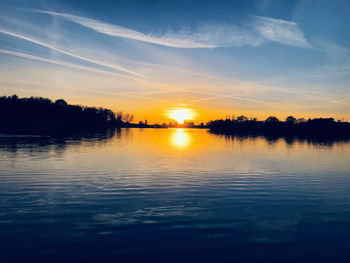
<point x="180" y="41"/>
<point x="57" y="62"/>
<point x="281" y="31"/>
<point x="80" y="67"/>
<point x="206" y="35"/>
<point x="41" y="43"/>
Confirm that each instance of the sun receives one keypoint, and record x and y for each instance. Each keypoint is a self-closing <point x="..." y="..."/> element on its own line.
<point x="180" y="114"/>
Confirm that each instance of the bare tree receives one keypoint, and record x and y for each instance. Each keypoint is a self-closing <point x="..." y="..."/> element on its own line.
<point x="127" y="117"/>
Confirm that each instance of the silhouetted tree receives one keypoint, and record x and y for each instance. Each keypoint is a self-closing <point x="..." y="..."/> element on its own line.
<point x="61" y="103"/>
<point x="272" y="119"/>
<point x="37" y="114"/>
<point x="128" y="117"/>
<point x="242" y="118"/>
<point x="320" y="128"/>
<point x="301" y="120"/>
<point x="291" y="119"/>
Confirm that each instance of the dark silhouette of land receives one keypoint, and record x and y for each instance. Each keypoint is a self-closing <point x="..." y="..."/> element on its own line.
<point x="186" y="124"/>
<point x="37" y="115"/>
<point x="320" y="129"/>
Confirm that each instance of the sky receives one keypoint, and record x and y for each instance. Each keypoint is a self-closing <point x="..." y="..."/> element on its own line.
<point x="214" y="58"/>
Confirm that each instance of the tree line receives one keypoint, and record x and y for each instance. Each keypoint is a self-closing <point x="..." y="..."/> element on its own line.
<point x="37" y="114"/>
<point x="311" y="128"/>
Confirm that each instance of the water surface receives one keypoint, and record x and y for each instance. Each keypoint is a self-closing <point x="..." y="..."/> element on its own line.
<point x="173" y="195"/>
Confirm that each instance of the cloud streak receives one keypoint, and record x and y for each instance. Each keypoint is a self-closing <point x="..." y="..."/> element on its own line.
<point x="281" y="31"/>
<point x="119" y="31"/>
<point x="57" y="62"/>
<point x="259" y="30"/>
<point x="80" y="67"/>
<point x="40" y="43"/>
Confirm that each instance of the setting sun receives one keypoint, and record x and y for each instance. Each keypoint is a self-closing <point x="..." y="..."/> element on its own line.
<point x="180" y="114"/>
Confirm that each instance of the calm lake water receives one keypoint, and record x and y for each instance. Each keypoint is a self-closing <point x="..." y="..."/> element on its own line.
<point x="173" y="195"/>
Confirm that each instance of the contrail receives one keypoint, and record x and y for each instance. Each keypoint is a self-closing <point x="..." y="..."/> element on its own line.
<point x="69" y="53"/>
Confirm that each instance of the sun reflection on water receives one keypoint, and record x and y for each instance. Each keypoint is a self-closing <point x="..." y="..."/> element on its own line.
<point x="180" y="138"/>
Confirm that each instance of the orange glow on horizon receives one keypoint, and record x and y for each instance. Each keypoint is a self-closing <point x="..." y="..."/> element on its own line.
<point x="163" y="113"/>
<point x="180" y="114"/>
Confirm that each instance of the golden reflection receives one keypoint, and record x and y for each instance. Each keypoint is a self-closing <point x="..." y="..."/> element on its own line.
<point x="180" y="138"/>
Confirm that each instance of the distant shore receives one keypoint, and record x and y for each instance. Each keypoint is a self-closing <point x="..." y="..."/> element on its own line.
<point x="37" y="115"/>
<point x="318" y="128"/>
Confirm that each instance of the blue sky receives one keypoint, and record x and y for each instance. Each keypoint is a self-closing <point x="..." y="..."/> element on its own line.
<point x="214" y="57"/>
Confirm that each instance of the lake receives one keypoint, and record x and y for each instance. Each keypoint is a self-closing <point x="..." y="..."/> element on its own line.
<point x="173" y="195"/>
